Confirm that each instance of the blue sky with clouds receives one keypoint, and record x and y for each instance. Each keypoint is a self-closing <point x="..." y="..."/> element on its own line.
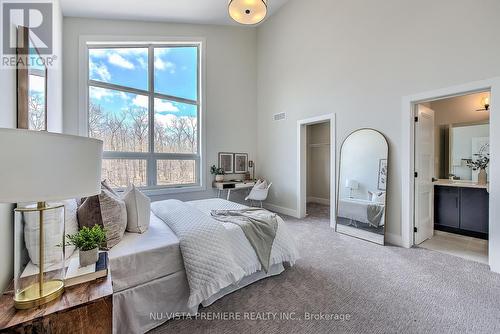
<point x="175" y="74"/>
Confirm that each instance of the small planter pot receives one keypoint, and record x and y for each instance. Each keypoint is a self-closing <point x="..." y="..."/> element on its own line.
<point x="219" y="178"/>
<point x="482" y="177"/>
<point x="89" y="257"/>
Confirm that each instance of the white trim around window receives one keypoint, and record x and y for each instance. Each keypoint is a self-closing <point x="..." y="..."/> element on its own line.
<point x="125" y="41"/>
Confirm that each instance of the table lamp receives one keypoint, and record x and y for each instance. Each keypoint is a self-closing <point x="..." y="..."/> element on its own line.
<point x="351" y="185"/>
<point x="41" y="167"/>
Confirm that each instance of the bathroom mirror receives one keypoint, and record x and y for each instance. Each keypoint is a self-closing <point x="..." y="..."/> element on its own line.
<point x="362" y="186"/>
<point x="467" y="143"/>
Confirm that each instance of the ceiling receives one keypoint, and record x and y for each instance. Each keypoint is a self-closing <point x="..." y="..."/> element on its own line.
<point x="185" y="11"/>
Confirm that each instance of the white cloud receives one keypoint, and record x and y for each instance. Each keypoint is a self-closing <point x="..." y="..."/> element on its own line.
<point x="140" y="101"/>
<point x="165" y="119"/>
<point x="98" y="93"/>
<point x="100" y="71"/>
<point x="142" y="63"/>
<point x="36" y="84"/>
<point x="162" y="65"/>
<point x="165" y="106"/>
<point x="118" y="60"/>
<point x="160" y="105"/>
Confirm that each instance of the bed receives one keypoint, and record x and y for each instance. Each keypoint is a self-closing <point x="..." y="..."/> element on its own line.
<point x="356" y="210"/>
<point x="150" y="281"/>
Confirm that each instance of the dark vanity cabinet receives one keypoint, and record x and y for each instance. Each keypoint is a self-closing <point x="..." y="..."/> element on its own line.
<point x="461" y="210"/>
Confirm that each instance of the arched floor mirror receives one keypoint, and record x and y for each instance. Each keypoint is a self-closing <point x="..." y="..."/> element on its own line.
<point x="362" y="186"/>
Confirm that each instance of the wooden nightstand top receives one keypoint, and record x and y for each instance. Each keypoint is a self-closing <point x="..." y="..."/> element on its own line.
<point x="74" y="297"/>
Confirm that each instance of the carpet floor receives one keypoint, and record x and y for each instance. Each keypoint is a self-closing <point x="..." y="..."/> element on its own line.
<point x="345" y="285"/>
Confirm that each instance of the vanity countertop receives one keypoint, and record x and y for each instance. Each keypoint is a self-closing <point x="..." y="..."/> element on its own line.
<point x="460" y="183"/>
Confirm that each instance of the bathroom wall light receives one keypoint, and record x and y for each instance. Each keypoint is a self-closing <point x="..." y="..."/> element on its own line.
<point x="486" y="103"/>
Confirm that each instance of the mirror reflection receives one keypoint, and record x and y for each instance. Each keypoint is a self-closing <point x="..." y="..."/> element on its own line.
<point x="362" y="185"/>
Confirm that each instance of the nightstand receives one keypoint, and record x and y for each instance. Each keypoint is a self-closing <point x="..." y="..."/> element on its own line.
<point x="83" y="308"/>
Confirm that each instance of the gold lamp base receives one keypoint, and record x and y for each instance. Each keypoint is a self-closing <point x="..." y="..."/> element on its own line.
<point x="31" y="296"/>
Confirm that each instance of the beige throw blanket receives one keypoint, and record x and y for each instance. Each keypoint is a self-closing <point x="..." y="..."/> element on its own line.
<point x="258" y="225"/>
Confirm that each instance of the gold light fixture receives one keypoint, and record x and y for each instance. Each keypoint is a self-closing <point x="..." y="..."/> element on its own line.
<point x="486" y="103"/>
<point x="248" y="11"/>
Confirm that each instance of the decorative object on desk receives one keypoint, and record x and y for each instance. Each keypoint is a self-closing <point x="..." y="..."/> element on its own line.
<point x="43" y="167"/>
<point x="226" y="162"/>
<point x="218" y="172"/>
<point x="382" y="174"/>
<point x="79" y="273"/>
<point x="240" y="163"/>
<point x="88" y="241"/>
<point x="31" y="84"/>
<point x="247" y="176"/>
<point x="251" y="164"/>
<point x="351" y="185"/>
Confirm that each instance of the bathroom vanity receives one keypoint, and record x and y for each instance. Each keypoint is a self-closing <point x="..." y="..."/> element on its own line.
<point x="461" y="207"/>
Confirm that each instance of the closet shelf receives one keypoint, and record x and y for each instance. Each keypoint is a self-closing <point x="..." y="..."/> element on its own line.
<point x="319" y="145"/>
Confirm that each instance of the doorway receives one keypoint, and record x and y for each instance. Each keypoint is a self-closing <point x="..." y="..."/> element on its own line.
<point x="408" y="161"/>
<point x="316" y="167"/>
<point x="318" y="170"/>
<point x="451" y="194"/>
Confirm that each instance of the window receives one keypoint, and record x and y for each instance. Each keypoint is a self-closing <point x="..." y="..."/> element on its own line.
<point x="144" y="104"/>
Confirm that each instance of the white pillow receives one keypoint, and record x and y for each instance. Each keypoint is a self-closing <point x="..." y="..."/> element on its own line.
<point x="377" y="197"/>
<point x="52" y="232"/>
<point x="138" y="210"/>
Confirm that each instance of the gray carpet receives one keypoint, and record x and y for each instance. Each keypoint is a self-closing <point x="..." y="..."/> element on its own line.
<point x="383" y="289"/>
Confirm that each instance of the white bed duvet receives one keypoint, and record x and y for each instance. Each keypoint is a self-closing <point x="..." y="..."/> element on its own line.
<point x="216" y="255"/>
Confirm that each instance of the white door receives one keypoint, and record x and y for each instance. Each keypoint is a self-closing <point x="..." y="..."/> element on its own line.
<point x="424" y="168"/>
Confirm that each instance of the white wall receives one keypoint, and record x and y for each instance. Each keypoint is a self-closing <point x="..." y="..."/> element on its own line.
<point x="357" y="59"/>
<point x="8" y="119"/>
<point x="318" y="163"/>
<point x="231" y="74"/>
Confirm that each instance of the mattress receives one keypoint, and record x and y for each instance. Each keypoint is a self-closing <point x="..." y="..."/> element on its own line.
<point x="141" y="258"/>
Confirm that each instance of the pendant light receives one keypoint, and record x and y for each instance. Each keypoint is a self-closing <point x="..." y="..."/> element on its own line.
<point x="247" y="11"/>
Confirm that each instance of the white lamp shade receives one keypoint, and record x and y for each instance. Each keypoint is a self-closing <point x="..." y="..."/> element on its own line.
<point x="41" y="166"/>
<point x="351" y="184"/>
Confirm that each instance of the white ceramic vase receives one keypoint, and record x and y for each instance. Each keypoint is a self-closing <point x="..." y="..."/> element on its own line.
<point x="89" y="257"/>
<point x="219" y="178"/>
<point x="482" y="177"/>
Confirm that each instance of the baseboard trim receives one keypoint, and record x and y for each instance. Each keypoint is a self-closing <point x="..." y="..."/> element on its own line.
<point x="318" y="200"/>
<point x="393" y="239"/>
<point x="280" y="209"/>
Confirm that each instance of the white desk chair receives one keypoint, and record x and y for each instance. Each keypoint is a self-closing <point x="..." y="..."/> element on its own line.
<point x="258" y="195"/>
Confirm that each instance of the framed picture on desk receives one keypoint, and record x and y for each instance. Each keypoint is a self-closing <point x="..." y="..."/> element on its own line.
<point x="240" y="163"/>
<point x="226" y="162"/>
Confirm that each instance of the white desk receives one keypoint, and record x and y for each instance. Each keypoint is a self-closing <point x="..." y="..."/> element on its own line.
<point x="231" y="186"/>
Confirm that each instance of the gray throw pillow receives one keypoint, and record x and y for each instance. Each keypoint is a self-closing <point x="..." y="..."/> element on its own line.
<point x="106" y="210"/>
<point x="138" y="210"/>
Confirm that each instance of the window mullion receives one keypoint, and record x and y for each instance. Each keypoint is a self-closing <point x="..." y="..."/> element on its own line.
<point x="151" y="118"/>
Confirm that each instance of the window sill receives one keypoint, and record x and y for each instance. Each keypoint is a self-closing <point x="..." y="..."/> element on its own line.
<point x="173" y="190"/>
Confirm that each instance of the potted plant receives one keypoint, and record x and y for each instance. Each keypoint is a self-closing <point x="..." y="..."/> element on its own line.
<point x="88" y="240"/>
<point x="218" y="172"/>
<point x="480" y="163"/>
